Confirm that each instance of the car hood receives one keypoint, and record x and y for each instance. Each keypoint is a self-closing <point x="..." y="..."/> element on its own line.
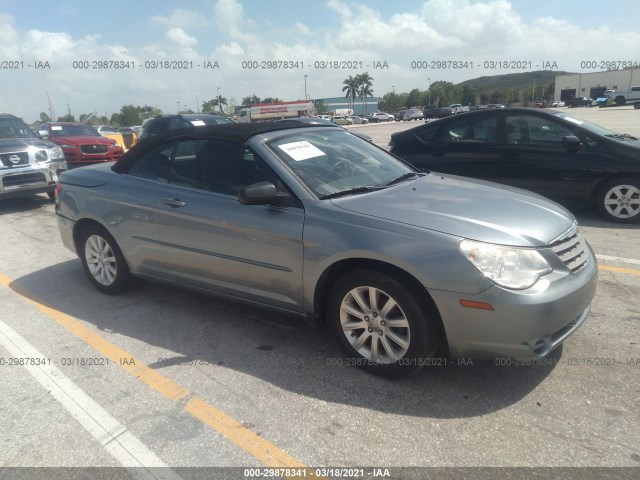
<point x="9" y="145"/>
<point x="467" y="208"/>
<point x="83" y="140"/>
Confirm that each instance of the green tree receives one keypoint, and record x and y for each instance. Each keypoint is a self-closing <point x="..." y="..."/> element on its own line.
<point x="44" y="117"/>
<point x="130" y="115"/>
<point x="67" y="118"/>
<point x="414" y="99"/>
<point x="116" y="120"/>
<point x="469" y="94"/>
<point x="442" y="93"/>
<point x="392" y="102"/>
<point x="350" y="88"/>
<point x="250" y="100"/>
<point x="271" y="100"/>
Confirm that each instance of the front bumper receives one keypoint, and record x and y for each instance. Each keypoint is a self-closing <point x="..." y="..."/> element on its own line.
<point x="30" y="179"/>
<point x="523" y="324"/>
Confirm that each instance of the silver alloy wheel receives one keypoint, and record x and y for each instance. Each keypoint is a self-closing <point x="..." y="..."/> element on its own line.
<point x="375" y="325"/>
<point x="100" y="260"/>
<point x="623" y="201"/>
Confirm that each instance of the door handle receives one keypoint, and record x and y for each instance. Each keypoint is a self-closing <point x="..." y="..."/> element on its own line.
<point x="173" y="202"/>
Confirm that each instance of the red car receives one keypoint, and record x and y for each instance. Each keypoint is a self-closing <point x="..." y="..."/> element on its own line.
<point x="81" y="143"/>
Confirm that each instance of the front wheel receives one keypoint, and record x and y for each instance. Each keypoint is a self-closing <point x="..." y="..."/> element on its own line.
<point x="381" y="325"/>
<point x="103" y="261"/>
<point x="619" y="201"/>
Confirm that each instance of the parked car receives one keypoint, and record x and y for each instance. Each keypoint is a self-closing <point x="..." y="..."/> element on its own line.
<point x="125" y="139"/>
<point x="495" y="105"/>
<point x="81" y="143"/>
<point x="400" y="115"/>
<point x="155" y="126"/>
<point x="314" y="222"/>
<point x="413" y="114"/>
<point x="456" y="108"/>
<point x="436" y="112"/>
<point x="548" y="152"/>
<point x="342" y="120"/>
<point x="579" y="102"/>
<point x="558" y="103"/>
<point x="382" y="116"/>
<point x="358" y="119"/>
<point x="28" y="164"/>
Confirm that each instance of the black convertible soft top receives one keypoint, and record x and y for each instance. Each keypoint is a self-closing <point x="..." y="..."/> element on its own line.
<point x="240" y="132"/>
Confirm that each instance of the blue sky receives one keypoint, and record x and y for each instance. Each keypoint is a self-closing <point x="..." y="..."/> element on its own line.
<point x="230" y="32"/>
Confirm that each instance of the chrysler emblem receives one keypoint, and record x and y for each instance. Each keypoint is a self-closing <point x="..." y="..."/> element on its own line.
<point x="15" y="159"/>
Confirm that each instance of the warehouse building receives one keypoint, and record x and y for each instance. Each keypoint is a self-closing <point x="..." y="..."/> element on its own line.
<point x="594" y="85"/>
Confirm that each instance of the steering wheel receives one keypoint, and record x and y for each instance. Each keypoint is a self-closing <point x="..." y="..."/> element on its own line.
<point x="344" y="168"/>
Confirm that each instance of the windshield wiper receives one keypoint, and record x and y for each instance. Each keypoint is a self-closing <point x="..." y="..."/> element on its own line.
<point x="620" y="136"/>
<point x="353" y="191"/>
<point x="404" y="176"/>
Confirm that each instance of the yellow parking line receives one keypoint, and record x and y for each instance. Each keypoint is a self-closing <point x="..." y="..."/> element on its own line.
<point x="630" y="271"/>
<point x="243" y="437"/>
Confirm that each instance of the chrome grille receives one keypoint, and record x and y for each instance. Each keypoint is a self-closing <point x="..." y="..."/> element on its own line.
<point x="572" y="250"/>
<point x="14" y="159"/>
<point x="23" y="179"/>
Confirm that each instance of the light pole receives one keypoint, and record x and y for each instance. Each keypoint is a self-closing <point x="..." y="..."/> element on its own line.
<point x="178" y="106"/>
<point x="305" y="87"/>
<point x="218" y="98"/>
<point x="429" y="88"/>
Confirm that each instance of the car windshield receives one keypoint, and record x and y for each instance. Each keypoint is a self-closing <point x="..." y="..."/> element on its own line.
<point x="333" y="161"/>
<point x="73" y="131"/>
<point x="107" y="130"/>
<point x="14" y="128"/>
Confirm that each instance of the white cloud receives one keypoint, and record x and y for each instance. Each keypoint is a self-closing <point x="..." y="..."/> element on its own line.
<point x="179" y="36"/>
<point x="181" y="18"/>
<point x="303" y="29"/>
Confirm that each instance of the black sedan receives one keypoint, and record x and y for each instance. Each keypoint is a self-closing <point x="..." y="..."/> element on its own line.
<point x="551" y="153"/>
<point x="579" y="102"/>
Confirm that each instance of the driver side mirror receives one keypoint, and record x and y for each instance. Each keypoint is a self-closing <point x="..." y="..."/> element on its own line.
<point x="262" y="193"/>
<point x="571" y="142"/>
<point x="42" y="133"/>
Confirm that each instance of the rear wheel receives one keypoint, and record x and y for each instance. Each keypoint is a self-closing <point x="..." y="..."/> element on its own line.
<point x="621" y="100"/>
<point x="103" y="261"/>
<point x="381" y="325"/>
<point x="619" y="201"/>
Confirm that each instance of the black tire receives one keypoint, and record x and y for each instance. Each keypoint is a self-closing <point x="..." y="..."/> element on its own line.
<point x="108" y="271"/>
<point x="400" y="349"/>
<point x="636" y="105"/>
<point x="52" y="196"/>
<point x="621" y="100"/>
<point x="619" y="200"/>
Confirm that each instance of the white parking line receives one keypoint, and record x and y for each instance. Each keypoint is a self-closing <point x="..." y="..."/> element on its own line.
<point x="618" y="259"/>
<point x="125" y="447"/>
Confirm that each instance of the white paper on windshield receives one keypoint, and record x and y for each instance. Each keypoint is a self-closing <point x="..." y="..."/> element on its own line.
<point x="574" y="120"/>
<point x="198" y="123"/>
<point x="301" y="150"/>
<point x="56" y="127"/>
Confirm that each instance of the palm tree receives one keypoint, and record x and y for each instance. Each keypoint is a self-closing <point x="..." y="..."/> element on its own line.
<point x="364" y="82"/>
<point x="221" y="101"/>
<point x="351" y="85"/>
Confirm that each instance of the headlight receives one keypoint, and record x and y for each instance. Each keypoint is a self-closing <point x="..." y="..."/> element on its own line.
<point x="509" y="267"/>
<point x="56" y="153"/>
<point x="68" y="146"/>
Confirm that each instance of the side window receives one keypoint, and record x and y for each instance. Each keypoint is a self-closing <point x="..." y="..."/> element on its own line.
<point x="154" y="164"/>
<point x="218" y="165"/>
<point x="427" y="134"/>
<point x="471" y="130"/>
<point x="530" y="129"/>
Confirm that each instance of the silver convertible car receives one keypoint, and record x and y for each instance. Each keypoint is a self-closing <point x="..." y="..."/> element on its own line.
<point x="313" y="221"/>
